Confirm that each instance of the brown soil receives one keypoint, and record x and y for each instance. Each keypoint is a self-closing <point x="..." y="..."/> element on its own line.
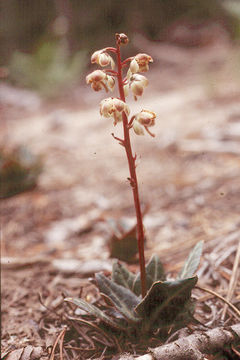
<point x="55" y="236"/>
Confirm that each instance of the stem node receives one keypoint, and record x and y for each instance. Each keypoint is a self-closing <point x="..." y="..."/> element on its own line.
<point x="121" y="141"/>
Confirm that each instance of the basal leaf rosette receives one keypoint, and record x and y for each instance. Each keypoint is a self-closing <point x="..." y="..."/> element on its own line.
<point x="167" y="306"/>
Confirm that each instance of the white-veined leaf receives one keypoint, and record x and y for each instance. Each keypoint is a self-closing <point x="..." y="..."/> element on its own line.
<point x="93" y="310"/>
<point x="192" y="262"/>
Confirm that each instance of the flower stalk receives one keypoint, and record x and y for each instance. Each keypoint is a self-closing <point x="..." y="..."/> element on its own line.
<point x="133" y="176"/>
<point x="117" y="109"/>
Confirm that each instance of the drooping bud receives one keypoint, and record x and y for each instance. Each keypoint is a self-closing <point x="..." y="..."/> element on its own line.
<point x="122" y="39"/>
<point x="102" y="58"/>
<point x="113" y="107"/>
<point x="146" y="118"/>
<point x="137" y="128"/>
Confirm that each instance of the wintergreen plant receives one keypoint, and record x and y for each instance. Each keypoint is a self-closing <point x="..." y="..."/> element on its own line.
<point x="117" y="109"/>
<point x="145" y="302"/>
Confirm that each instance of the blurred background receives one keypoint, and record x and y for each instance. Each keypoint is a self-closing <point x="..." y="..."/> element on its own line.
<point x="47" y="110"/>
<point x="44" y="44"/>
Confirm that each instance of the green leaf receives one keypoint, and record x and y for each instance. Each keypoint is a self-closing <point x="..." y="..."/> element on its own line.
<point x="154" y="269"/>
<point x="192" y="262"/>
<point x="154" y="272"/>
<point x="165" y="301"/>
<point x="122" y="276"/>
<point x="93" y="310"/>
<point x="124" y="299"/>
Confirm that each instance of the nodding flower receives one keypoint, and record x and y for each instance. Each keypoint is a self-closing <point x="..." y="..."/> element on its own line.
<point x="137" y="83"/>
<point x="144" y="119"/>
<point x="113" y="107"/>
<point x="140" y="63"/>
<point x="102" y="58"/>
<point x="99" y="80"/>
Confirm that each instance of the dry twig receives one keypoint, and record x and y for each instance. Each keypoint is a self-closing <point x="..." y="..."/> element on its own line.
<point x="194" y="347"/>
<point x="59" y="339"/>
<point x="236" y="311"/>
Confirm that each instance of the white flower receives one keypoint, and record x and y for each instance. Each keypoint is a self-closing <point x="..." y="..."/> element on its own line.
<point x="113" y="107"/>
<point x="99" y="80"/>
<point x="137" y="128"/>
<point x="146" y="118"/>
<point x="140" y="63"/>
<point x="102" y="58"/>
<point x="137" y="83"/>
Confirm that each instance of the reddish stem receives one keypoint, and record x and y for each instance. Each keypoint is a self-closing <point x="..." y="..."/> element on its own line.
<point x="113" y="72"/>
<point x="133" y="178"/>
<point x="131" y="121"/>
<point x="112" y="49"/>
<point x="126" y="61"/>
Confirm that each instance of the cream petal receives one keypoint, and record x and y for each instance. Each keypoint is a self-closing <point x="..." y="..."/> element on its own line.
<point x="134" y="66"/>
<point x="137" y="128"/>
<point x="137" y="89"/>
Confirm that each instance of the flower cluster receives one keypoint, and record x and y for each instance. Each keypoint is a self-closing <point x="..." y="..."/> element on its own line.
<point x="136" y="83"/>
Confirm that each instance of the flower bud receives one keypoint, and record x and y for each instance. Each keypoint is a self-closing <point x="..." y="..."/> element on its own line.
<point x="137" y="128"/>
<point x="146" y="118"/>
<point x="102" y="58"/>
<point x="122" y="39"/>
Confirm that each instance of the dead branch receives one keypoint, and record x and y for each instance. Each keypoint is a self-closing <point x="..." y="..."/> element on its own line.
<point x="194" y="347"/>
